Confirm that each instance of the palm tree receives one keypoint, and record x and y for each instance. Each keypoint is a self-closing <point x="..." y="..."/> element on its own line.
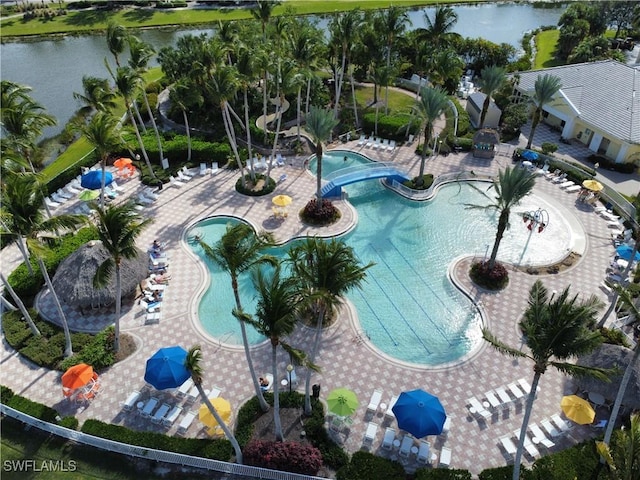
<point x="118" y="228"/>
<point x="116" y="40"/>
<point x="438" y="32"/>
<point x="22" y="199"/>
<point x="493" y="78"/>
<point x="276" y="317"/>
<point x="344" y="30"/>
<point x="326" y="270"/>
<point x="184" y="94"/>
<point x="511" y="186"/>
<point x="246" y="67"/>
<point x="193" y="364"/>
<point x="628" y="301"/>
<point x="97" y="95"/>
<point x="101" y="132"/>
<point x="320" y="124"/>
<point x="392" y="23"/>
<point x="545" y="88"/>
<point x="140" y="54"/>
<point x="445" y="68"/>
<point x="427" y="109"/>
<point x="381" y="76"/>
<point x="555" y="330"/>
<point x="624" y="458"/>
<point x="237" y="251"/>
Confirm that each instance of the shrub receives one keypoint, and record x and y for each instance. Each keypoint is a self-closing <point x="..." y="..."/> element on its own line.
<point x="579" y="461"/>
<point x="427" y="180"/>
<point x="393" y="127"/>
<point x="495" y="279"/>
<point x="5" y="394"/>
<point x="97" y="352"/>
<point x="442" y="474"/>
<point x="326" y="215"/>
<point x="465" y="144"/>
<point x="548" y="148"/>
<point x="333" y="455"/>
<point x="34" y="409"/>
<point x="287" y="456"/>
<point x="365" y="466"/>
<point x="69" y="422"/>
<point x="499" y="473"/>
<point x="614" y="337"/>
<point x="604" y="162"/>
<point x="268" y="187"/>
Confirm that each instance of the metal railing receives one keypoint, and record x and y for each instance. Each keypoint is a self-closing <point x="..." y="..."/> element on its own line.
<point x="231" y="469"/>
<point x="420" y="195"/>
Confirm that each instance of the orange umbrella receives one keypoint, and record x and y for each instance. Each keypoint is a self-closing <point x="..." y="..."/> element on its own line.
<point x="122" y="162"/>
<point x="77" y="376"/>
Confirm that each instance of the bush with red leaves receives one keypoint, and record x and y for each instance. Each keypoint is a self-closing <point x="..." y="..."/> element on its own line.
<point x="286" y="456"/>
<point x="494" y="279"/>
<point x="326" y="215"/>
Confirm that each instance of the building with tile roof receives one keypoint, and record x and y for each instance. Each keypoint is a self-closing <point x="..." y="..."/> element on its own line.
<point x="598" y="105"/>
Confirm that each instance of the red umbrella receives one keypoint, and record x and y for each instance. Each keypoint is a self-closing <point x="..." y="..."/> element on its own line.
<point x="77" y="376"/>
<point x="122" y="163"/>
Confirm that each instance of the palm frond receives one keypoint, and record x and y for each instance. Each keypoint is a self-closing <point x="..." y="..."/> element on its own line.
<point x="500" y="346"/>
<point x="103" y="273"/>
<point x="574" y="370"/>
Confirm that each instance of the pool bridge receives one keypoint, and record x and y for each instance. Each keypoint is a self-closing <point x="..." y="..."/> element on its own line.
<point x="346" y="176"/>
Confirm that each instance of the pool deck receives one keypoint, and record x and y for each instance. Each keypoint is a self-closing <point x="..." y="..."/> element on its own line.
<point x="346" y="357"/>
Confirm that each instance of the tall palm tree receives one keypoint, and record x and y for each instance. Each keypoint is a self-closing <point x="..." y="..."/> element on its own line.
<point x="544" y="89"/>
<point x="97" y="95"/>
<point x="445" y="68"/>
<point x="492" y="80"/>
<point x="118" y="228"/>
<point x="382" y="76"/>
<point x="629" y="302"/>
<point x="140" y="54"/>
<point x="193" y="364"/>
<point x="427" y="109"/>
<point x="392" y="23"/>
<point x="326" y="270"/>
<point x="247" y="74"/>
<point x="237" y="251"/>
<point x="439" y="31"/>
<point x="116" y="40"/>
<point x="184" y="94"/>
<point x="344" y="30"/>
<point x="320" y="124"/>
<point x="127" y="84"/>
<point x="623" y="458"/>
<point x="22" y="199"/>
<point x="511" y="186"/>
<point x="555" y="330"/>
<point x="102" y="133"/>
<point x="276" y="317"/>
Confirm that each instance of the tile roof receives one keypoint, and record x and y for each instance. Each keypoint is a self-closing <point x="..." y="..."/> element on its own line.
<point x="606" y="93"/>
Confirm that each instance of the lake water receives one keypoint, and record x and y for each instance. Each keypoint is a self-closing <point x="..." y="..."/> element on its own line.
<point x="54" y="68"/>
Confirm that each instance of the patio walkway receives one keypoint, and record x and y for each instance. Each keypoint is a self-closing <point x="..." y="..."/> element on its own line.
<point x="346" y="356"/>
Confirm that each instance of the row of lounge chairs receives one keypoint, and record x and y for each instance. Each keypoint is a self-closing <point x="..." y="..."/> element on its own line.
<point x="263" y="163"/>
<point x="377" y="143"/>
<point x="499" y="398"/>
<point x="542" y="434"/>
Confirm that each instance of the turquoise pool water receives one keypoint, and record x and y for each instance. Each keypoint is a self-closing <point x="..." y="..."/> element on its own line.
<point x="407" y="307"/>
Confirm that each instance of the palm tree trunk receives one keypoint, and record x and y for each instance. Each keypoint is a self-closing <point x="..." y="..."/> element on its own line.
<point x="614" y="300"/>
<point x="186" y="126"/>
<point x="276" y="395"/>
<point x="153" y="123"/>
<point x="264" y="103"/>
<point x="423" y="157"/>
<point x="308" y="99"/>
<point x="503" y="221"/>
<point x="319" y="178"/>
<point x="340" y="79"/>
<point x="25" y="253"/>
<point x="116" y="337"/>
<point x="139" y="117"/>
<point x="534" y="124"/>
<point x="264" y="406"/>
<point x="140" y="142"/>
<point x="298" y="112"/>
<point x="228" y="126"/>
<point x="223" y="426"/>
<point x="21" y="307"/>
<point x="252" y="172"/>
<point x="525" y="424"/>
<point x="275" y="141"/>
<point x="312" y="359"/>
<point x="376" y="124"/>
<point x="485" y="108"/>
<point x="68" y="347"/>
<point x="103" y="181"/>
<point x="621" y="391"/>
<point x="353" y="95"/>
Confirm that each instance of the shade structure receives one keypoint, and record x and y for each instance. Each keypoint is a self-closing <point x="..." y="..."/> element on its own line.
<point x="419" y="413"/>
<point x="122" y="163"/>
<point x="577" y="409"/>
<point x="73" y="281"/>
<point x="166" y="369"/>
<point x="593" y="185"/>
<point x="529" y="155"/>
<point x="282" y="200"/>
<point x="222" y="406"/>
<point x="342" y="401"/>
<point x="88" y="195"/>
<point x="93" y="179"/>
<point x="625" y="251"/>
<point x="77" y="376"/>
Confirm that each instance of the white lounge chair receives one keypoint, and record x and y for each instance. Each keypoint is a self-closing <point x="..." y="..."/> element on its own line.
<point x="152" y="318"/>
<point x="528" y="444"/>
<point x="389" y="412"/>
<point x="186" y="422"/>
<point x="504" y="397"/>
<point x="370" y="141"/>
<point x="539" y="435"/>
<point x="445" y="457"/>
<point x="182" y="177"/>
<point x="116" y="187"/>
<point x="423" y="452"/>
<point x="389" y="437"/>
<point x="203" y="169"/>
<point x="508" y="445"/>
<point x="405" y="446"/>
<point x="567" y="183"/>
<point x="561" y="423"/>
<point x="186" y="172"/>
<point x="573" y="188"/>
<point x="58" y="199"/>
<point x="376" y="396"/>
<point x="391" y="146"/>
<point x="172" y="416"/>
<point x="493" y="400"/>
<point x="51" y="203"/>
<point x="516" y="391"/>
<point x="214" y="168"/>
<point x="149" y="406"/>
<point x="447" y="426"/>
<point x="370" y="433"/>
<point x="476" y="408"/>
<point x="526" y="387"/>
<point x="131" y="400"/>
<point x="184" y="388"/>
<point x="174" y="182"/>
<point x="411" y="138"/>
<point x="160" y="413"/>
<point x="279" y="160"/>
<point x="362" y="141"/>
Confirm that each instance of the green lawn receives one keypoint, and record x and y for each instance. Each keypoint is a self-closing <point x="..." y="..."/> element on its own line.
<point x="93" y="20"/>
<point x="398" y="102"/>
<point x="545" y="47"/>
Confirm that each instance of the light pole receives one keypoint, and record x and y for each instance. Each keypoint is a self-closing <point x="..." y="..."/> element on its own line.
<point x="535" y="221"/>
<point x="289" y="370"/>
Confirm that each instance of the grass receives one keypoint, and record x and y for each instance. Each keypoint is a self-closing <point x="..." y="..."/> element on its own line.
<point x="94" y="20"/>
<point x="546" y="42"/>
<point x="399" y="103"/>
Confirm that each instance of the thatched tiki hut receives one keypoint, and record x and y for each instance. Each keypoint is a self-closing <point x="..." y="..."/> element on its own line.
<point x="73" y="281"/>
<point x="485" y="142"/>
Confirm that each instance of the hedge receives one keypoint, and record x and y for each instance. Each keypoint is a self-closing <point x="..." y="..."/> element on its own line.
<point x="285" y="456"/>
<point x="35" y="409"/>
<point x="365" y="466"/>
<point x="392" y="127"/>
<point x="442" y="474"/>
<point x="217" y="449"/>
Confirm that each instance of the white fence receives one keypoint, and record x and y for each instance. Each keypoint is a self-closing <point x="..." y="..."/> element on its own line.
<point x="242" y="471"/>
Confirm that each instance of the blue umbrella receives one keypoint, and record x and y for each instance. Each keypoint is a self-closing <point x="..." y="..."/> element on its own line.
<point x="419" y="413"/>
<point x="529" y="155"/>
<point x="165" y="369"/>
<point x="625" y="251"/>
<point x="93" y="179"/>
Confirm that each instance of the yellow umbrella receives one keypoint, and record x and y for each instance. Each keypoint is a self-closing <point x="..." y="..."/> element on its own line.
<point x="577" y="409"/>
<point x="282" y="200"/>
<point x="593" y="185"/>
<point x="222" y="406"/>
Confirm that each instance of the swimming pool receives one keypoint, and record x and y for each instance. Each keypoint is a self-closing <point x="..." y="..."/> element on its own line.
<point x="407" y="306"/>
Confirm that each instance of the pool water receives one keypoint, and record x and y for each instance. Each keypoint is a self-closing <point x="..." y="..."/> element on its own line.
<point x="407" y="306"/>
